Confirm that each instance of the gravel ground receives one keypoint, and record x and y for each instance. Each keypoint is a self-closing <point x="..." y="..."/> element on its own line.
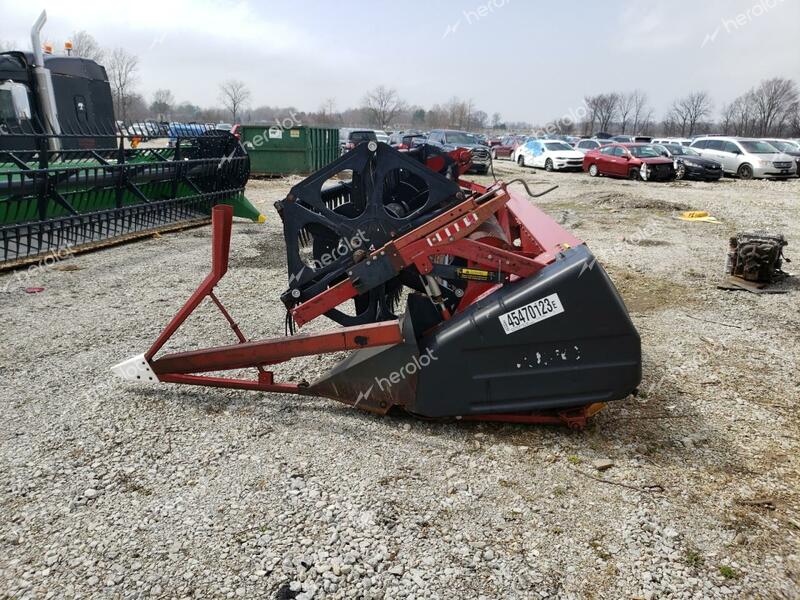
<point x="689" y="490"/>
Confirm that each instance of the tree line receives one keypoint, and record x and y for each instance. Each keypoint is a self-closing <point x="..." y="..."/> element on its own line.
<point x="770" y="108"/>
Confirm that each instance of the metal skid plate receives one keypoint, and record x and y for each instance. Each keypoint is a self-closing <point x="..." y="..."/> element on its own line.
<point x="559" y="339"/>
<point x="586" y="352"/>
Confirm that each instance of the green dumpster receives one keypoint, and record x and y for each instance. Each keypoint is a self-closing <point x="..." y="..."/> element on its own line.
<point x="300" y="150"/>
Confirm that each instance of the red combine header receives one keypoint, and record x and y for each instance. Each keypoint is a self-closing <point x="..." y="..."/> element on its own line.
<point x="507" y="315"/>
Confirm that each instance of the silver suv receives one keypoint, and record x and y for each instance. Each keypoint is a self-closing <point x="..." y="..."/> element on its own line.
<point x="747" y="158"/>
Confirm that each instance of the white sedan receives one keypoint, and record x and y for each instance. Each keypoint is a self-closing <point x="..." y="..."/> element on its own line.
<point x="551" y="155"/>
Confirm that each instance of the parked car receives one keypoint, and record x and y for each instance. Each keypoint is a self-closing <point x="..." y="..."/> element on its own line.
<point x="396" y="138"/>
<point x="413" y="140"/>
<point x="681" y="141"/>
<point x="450" y="139"/>
<point x="584" y="146"/>
<point x="623" y="139"/>
<point x="634" y="161"/>
<point x="550" y="155"/>
<point x="406" y="141"/>
<point x="145" y="130"/>
<point x="350" y="138"/>
<point x="223" y="126"/>
<point x="176" y="130"/>
<point x="788" y="147"/>
<point x="506" y="147"/>
<point x="747" y="158"/>
<point x="482" y="138"/>
<point x="689" y="164"/>
<point x="382" y="136"/>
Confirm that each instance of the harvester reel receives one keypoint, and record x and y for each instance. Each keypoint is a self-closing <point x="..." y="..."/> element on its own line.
<point x="388" y="194"/>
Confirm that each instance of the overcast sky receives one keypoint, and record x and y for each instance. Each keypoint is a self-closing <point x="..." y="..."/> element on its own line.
<point x="528" y="60"/>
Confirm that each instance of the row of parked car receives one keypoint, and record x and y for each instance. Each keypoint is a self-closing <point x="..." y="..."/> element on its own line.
<point x="446" y="139"/>
<point x="706" y="158"/>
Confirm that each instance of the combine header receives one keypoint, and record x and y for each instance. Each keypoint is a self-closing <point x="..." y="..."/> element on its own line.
<point x="72" y="177"/>
<point x="507" y="315"/>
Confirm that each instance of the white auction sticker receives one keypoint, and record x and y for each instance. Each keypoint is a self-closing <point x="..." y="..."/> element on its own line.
<point x="532" y="313"/>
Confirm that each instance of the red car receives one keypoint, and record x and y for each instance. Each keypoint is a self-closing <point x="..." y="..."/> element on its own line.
<point x="506" y="147"/>
<point x="634" y="161"/>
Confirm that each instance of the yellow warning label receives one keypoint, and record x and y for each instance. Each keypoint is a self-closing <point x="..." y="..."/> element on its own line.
<point x="476" y="274"/>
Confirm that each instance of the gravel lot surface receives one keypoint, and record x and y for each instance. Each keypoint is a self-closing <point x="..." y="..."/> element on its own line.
<point x="690" y="490"/>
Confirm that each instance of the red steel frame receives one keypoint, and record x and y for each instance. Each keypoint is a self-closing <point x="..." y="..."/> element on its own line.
<point x="177" y="368"/>
<point x="446" y="235"/>
<point x="540" y="240"/>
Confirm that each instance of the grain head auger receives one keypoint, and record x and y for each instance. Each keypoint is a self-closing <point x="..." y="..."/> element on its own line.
<point x="507" y="315"/>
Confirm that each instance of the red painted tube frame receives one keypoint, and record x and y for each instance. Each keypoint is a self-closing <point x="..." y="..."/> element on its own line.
<point x="253" y="354"/>
<point x="181" y="367"/>
<point x="221" y="224"/>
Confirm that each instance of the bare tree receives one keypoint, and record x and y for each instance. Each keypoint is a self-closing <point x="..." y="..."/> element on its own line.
<point x="601" y="110"/>
<point x="437" y="117"/>
<point x="727" y="121"/>
<point x="234" y="95"/>
<point x="745" y="123"/>
<point x="136" y="107"/>
<point x="456" y="112"/>
<point x="591" y="114"/>
<point x="626" y="107"/>
<point x="418" y="116"/>
<point x="642" y="113"/>
<point x="162" y="104"/>
<point x="85" y="46"/>
<point x="690" y="110"/>
<point x="773" y="101"/>
<point x="671" y="125"/>
<point x="383" y="105"/>
<point x="794" y="121"/>
<point x="479" y="119"/>
<point x="327" y="110"/>
<point x="121" y="68"/>
<point x="607" y="108"/>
